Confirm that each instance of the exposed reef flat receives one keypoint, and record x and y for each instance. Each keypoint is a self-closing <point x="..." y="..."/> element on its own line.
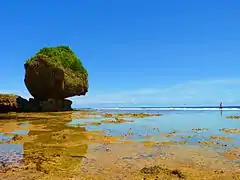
<point x="54" y="149"/>
<point x="231" y="130"/>
<point x="137" y="162"/>
<point x="196" y="130"/>
<point x="163" y="143"/>
<point x="115" y="121"/>
<point x="169" y="134"/>
<point x="232" y="155"/>
<point x="233" y="117"/>
<point x="131" y="115"/>
<point x="211" y="143"/>
<point x="222" y="138"/>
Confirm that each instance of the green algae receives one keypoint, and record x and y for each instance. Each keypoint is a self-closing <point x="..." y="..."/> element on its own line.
<point x="60" y="56"/>
<point x="56" y="150"/>
<point x="53" y="147"/>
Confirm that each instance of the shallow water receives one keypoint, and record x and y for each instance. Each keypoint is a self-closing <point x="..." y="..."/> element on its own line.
<point x="181" y="122"/>
<point x="65" y="136"/>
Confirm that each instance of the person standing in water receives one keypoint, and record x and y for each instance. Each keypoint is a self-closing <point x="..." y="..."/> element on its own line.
<point x="220" y="108"/>
<point x="221" y="105"/>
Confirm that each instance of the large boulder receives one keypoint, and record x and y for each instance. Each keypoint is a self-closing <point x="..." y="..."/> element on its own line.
<point x="55" y="73"/>
<point x="13" y="103"/>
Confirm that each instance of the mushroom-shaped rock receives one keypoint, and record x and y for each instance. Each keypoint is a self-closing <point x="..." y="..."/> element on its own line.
<point x="55" y="73"/>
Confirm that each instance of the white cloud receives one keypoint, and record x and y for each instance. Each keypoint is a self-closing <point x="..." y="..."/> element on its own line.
<point x="199" y="92"/>
<point x="205" y="92"/>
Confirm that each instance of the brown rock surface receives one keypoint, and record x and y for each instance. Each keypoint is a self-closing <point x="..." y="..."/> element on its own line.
<point x="55" y="105"/>
<point x="48" y="77"/>
<point x="13" y="103"/>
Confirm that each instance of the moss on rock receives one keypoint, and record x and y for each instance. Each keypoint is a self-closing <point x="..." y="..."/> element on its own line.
<point x="61" y="57"/>
<point x="55" y="73"/>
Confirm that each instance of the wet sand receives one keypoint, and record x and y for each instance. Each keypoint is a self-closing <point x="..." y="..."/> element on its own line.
<point x="51" y="149"/>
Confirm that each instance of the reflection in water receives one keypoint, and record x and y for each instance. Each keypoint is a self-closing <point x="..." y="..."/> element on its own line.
<point x="52" y="146"/>
<point x="221" y="112"/>
<point x="11" y="155"/>
<point x="152" y="128"/>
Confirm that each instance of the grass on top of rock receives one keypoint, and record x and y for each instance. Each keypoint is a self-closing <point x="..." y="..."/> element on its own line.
<point x="61" y="56"/>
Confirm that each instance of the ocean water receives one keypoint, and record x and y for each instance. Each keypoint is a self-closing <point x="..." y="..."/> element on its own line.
<point x="179" y="120"/>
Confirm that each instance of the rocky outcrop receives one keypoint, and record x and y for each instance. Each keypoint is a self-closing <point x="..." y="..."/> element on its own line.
<point x="51" y="76"/>
<point x="55" y="73"/>
<point x="13" y="103"/>
<point x="50" y="105"/>
<point x="56" y="105"/>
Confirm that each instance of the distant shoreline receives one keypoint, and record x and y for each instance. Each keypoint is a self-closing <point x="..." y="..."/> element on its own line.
<point x="179" y="107"/>
<point x="166" y="108"/>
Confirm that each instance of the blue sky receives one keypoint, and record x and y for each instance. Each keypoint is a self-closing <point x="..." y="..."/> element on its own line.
<point x="148" y="53"/>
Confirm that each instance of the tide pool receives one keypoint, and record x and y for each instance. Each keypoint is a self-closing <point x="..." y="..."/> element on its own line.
<point x="182" y="123"/>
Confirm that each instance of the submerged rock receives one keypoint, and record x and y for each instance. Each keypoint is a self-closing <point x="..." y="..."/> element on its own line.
<point x="230" y="130"/>
<point x="130" y="115"/>
<point x="233" y="117"/>
<point x="55" y="73"/>
<point x="159" y="169"/>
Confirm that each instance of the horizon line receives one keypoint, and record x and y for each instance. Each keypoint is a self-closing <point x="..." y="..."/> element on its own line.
<point x="143" y="107"/>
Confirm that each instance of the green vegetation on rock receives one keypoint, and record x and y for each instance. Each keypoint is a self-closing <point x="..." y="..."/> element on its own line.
<point x="55" y="73"/>
<point x="61" y="56"/>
